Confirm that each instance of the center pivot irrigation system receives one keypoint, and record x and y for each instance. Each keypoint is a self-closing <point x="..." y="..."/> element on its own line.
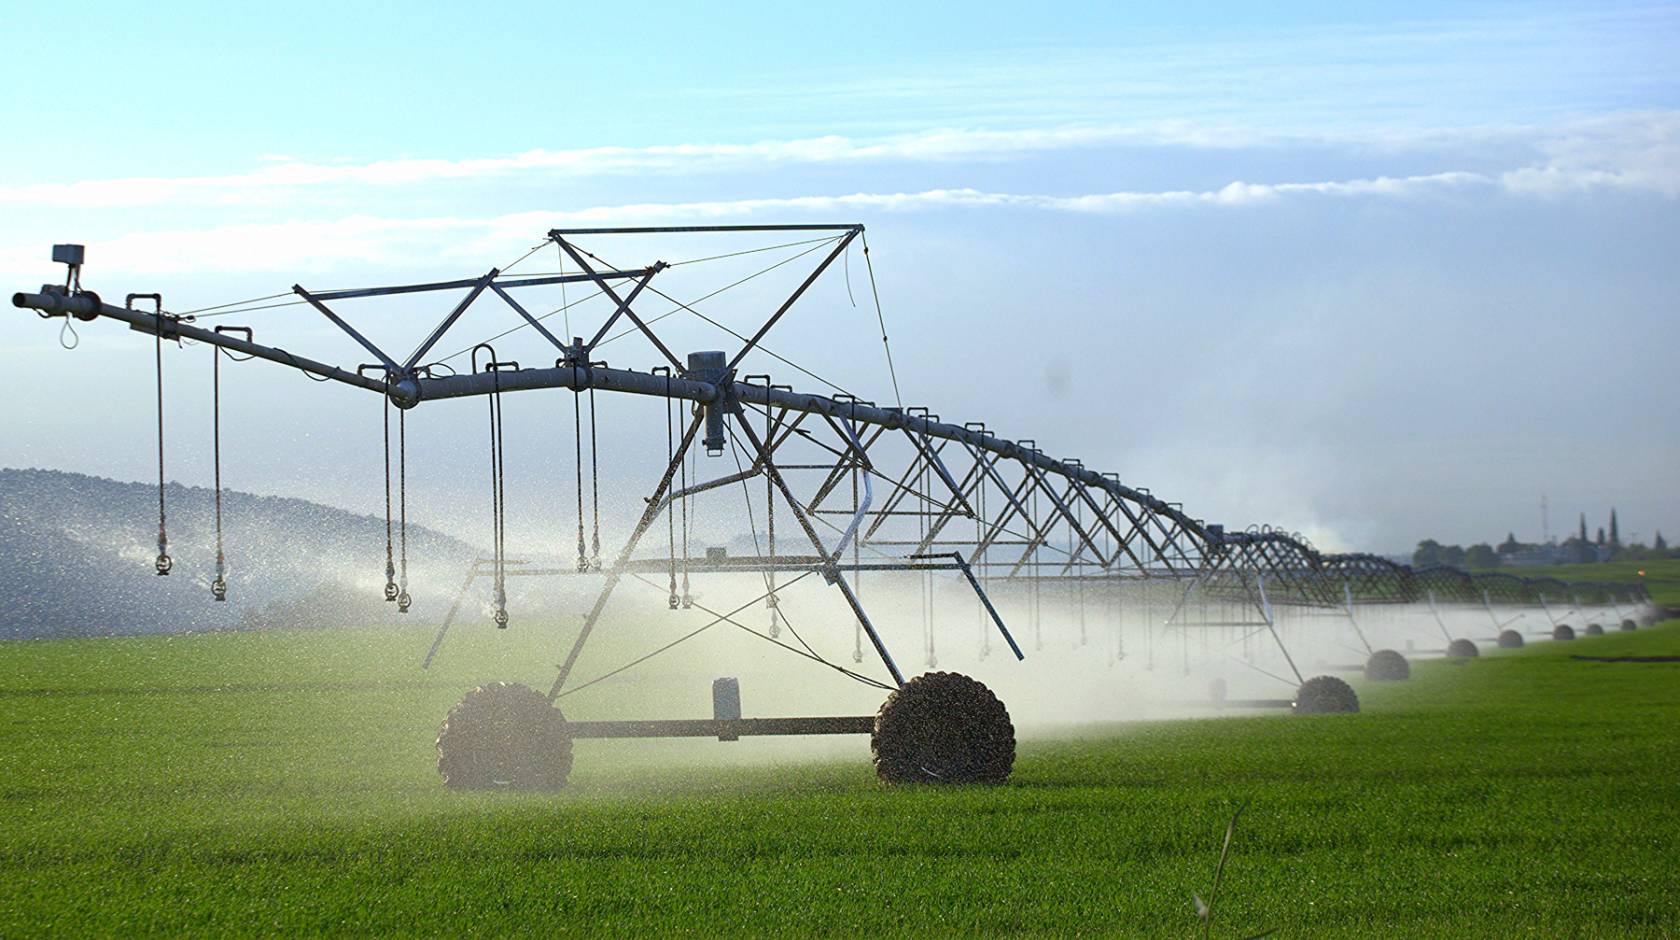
<point x="834" y="489"/>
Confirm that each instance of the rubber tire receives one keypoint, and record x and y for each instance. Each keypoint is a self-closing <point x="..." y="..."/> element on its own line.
<point x="1594" y="629"/>
<point x="1563" y="631"/>
<point x="943" y="727"/>
<point x="1387" y="666"/>
<point x="504" y="736"/>
<point x="1462" y="649"/>
<point x="1630" y="625"/>
<point x="1325" y="695"/>
<point x="1510" y="640"/>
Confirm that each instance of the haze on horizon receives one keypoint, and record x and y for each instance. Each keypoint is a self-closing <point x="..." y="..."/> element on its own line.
<point x="1375" y="277"/>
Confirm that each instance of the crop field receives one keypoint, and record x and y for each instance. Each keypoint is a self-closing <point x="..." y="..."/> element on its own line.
<point x="284" y="782"/>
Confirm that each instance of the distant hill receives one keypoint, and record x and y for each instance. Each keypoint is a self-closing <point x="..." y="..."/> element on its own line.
<point x="76" y="558"/>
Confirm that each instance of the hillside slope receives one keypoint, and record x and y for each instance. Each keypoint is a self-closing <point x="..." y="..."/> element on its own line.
<point x="78" y="553"/>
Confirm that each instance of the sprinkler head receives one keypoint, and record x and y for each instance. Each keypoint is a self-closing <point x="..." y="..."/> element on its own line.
<point x="164" y="563"/>
<point x="391" y="591"/>
<point x="218" y="589"/>
<point x="501" y="618"/>
<point x="403" y="601"/>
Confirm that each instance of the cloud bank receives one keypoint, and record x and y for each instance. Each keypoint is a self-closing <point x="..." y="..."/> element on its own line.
<point x="1627" y="150"/>
<point x="311" y="245"/>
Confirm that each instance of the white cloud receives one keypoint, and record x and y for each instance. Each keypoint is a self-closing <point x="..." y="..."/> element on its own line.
<point x="283" y="174"/>
<point x="359" y="240"/>
<point x="1624" y="151"/>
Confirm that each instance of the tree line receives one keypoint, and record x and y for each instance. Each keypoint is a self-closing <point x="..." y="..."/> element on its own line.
<point x="1579" y="548"/>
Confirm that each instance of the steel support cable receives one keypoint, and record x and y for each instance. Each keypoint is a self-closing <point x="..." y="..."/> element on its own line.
<point x="760" y="347"/>
<point x="228" y="313"/>
<point x="565" y="307"/>
<point x="688" y="306"/>
<point x="246" y="306"/>
<point x="534" y="249"/>
<point x="716" y="619"/>
<point x="237" y="303"/>
<point x="825" y="240"/>
<point x="677" y="264"/>
<point x="808" y="652"/>
<point x="881" y="319"/>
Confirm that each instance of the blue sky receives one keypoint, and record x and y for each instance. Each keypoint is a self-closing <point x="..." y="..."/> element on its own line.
<point x="1374" y="275"/>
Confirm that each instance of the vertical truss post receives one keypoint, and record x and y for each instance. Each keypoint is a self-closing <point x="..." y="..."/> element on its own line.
<point x="831" y="570"/>
<point x="1436" y="612"/>
<point x="1271" y="626"/>
<point x="1347" y="598"/>
<point x="1487" y="605"/>
<point x="449" y="616"/>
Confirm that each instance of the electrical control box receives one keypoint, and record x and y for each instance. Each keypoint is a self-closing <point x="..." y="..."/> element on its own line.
<point x="68" y="254"/>
<point x="726" y="703"/>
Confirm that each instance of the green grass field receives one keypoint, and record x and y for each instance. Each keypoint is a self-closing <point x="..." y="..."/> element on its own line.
<point x="284" y="783"/>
